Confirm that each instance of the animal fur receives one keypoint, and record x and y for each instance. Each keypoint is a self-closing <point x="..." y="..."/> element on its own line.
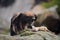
<point x="52" y="24"/>
<point x="19" y="22"/>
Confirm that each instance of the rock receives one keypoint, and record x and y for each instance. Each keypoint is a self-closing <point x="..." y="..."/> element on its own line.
<point x="40" y="35"/>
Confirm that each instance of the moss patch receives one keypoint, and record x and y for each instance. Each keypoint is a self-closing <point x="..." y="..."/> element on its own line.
<point x="26" y="33"/>
<point x="4" y="31"/>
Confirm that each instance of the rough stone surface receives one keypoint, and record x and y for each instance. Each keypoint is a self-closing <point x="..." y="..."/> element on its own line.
<point x="40" y="35"/>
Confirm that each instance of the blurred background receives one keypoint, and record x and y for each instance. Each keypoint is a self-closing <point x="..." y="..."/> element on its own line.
<point x="42" y="8"/>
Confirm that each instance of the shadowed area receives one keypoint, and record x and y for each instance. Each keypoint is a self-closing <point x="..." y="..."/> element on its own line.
<point x="6" y="3"/>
